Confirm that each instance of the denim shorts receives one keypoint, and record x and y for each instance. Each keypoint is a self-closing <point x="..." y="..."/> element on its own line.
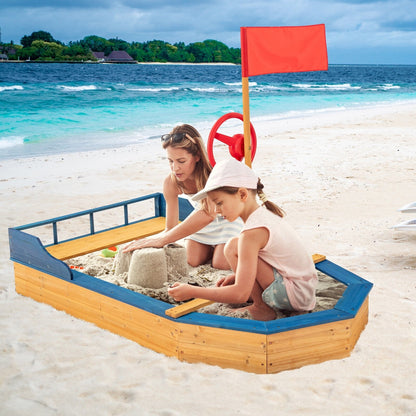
<point x="275" y="294"/>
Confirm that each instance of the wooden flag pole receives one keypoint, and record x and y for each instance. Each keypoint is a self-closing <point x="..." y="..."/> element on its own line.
<point x="246" y="121"/>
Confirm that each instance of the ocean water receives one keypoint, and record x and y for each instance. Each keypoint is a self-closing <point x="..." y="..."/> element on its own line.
<point x="55" y="108"/>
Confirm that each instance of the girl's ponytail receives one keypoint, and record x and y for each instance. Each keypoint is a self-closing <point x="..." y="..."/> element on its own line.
<point x="271" y="206"/>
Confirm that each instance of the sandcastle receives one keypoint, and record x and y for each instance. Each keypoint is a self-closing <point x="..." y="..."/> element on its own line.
<point x="151" y="267"/>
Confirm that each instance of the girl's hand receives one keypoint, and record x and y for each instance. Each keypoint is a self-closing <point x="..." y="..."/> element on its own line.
<point x="226" y="281"/>
<point x="181" y="291"/>
<point x="156" y="242"/>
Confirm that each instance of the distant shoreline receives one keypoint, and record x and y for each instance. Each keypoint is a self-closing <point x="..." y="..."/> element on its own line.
<point x="119" y="63"/>
<point x="168" y="63"/>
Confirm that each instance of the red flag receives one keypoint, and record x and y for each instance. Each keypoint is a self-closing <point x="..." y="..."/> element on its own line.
<point x="267" y="50"/>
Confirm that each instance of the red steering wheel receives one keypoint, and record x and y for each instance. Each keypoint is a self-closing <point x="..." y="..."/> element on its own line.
<point x="235" y="143"/>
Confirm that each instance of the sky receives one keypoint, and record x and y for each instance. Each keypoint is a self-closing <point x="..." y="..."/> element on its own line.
<point x="357" y="31"/>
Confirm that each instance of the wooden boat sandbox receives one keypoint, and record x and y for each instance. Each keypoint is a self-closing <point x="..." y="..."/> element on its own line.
<point x="228" y="342"/>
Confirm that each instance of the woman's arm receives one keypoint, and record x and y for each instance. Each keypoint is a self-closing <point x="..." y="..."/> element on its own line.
<point x="174" y="230"/>
<point x="193" y="223"/>
<point x="171" y="194"/>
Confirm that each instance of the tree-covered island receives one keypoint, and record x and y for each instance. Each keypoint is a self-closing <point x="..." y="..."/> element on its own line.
<point x="42" y="47"/>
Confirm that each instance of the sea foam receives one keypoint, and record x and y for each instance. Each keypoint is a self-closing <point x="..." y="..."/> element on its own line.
<point x="77" y="88"/>
<point x="11" y="88"/>
<point x="11" y="141"/>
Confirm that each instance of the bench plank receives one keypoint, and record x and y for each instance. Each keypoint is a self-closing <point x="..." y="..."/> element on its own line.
<point x="99" y="241"/>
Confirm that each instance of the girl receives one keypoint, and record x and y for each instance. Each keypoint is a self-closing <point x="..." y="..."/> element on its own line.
<point x="206" y="232"/>
<point x="271" y="267"/>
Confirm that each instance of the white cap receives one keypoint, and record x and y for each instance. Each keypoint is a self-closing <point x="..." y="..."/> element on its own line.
<point x="228" y="172"/>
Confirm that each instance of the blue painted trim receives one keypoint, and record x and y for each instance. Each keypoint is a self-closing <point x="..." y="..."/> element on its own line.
<point x="98" y="232"/>
<point x="223" y="322"/>
<point x="119" y="293"/>
<point x="92" y="225"/>
<point x="341" y="274"/>
<point x="156" y="195"/>
<point x="28" y="250"/>
<point x="353" y="297"/>
<point x="306" y="320"/>
<point x="160" y="206"/>
<point x="185" y="208"/>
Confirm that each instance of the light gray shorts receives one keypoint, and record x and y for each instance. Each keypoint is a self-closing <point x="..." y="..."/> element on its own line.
<point x="275" y="294"/>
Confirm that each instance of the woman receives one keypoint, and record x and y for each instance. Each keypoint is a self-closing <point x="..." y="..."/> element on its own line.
<point x="204" y="231"/>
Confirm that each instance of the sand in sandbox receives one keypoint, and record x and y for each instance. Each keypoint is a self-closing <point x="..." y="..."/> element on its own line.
<point x="328" y="289"/>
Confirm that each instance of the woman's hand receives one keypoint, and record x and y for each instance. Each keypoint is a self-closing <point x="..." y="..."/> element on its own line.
<point x="157" y="242"/>
<point x="181" y="291"/>
<point x="226" y="281"/>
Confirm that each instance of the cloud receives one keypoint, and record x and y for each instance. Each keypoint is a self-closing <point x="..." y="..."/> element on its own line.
<point x="58" y="4"/>
<point x="350" y="24"/>
<point x="405" y="26"/>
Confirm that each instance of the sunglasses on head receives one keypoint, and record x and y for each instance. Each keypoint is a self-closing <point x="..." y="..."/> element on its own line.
<point x="176" y="137"/>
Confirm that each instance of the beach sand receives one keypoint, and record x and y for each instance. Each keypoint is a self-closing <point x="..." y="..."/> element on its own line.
<point x="340" y="177"/>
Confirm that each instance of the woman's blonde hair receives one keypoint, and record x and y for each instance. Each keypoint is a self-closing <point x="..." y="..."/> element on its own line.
<point x="193" y="144"/>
